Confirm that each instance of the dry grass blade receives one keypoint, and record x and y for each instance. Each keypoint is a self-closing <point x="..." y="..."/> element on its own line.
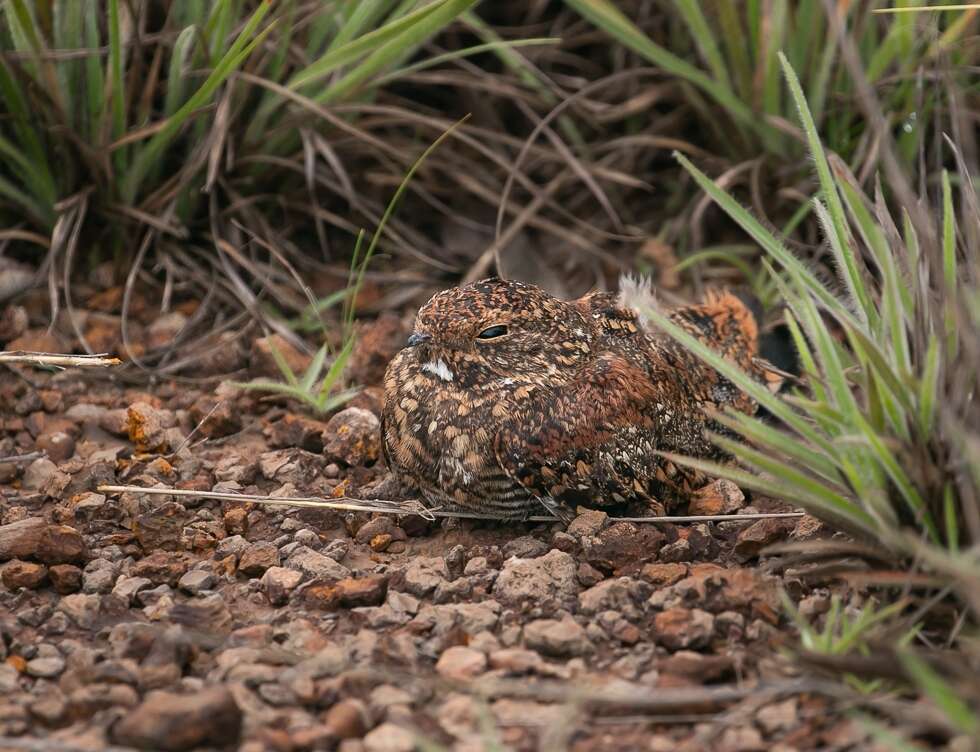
<point x="413" y="506"/>
<point x="59" y="360"/>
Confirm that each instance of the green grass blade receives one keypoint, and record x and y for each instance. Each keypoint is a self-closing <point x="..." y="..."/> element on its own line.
<point x="837" y="231"/>
<point x="929" y="389"/>
<point x="704" y="38"/>
<point x="949" y="265"/>
<point x="334" y="372"/>
<point x="313" y="370"/>
<point x="610" y="19"/>
<point x="239" y="50"/>
<point x="388" y="53"/>
<point x="446" y="57"/>
<point x="117" y="96"/>
<point x="179" y="66"/>
<point x="765" y="238"/>
<point x="356" y="48"/>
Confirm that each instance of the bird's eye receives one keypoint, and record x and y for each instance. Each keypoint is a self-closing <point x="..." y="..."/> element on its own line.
<point x="492" y="332"/>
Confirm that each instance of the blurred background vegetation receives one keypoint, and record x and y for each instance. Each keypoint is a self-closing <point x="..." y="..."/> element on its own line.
<point x="231" y="152"/>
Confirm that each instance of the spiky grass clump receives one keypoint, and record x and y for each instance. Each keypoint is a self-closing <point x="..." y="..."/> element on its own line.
<point x="879" y="438"/>
<point x="728" y="51"/>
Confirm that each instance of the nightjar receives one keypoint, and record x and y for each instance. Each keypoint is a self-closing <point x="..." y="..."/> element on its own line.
<point x="508" y="401"/>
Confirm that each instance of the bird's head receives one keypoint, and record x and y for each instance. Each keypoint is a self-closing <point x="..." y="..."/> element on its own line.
<point x="496" y="329"/>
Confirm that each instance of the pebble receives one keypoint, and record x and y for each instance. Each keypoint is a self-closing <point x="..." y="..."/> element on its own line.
<point x="316" y="565"/>
<point x="389" y="738"/>
<point x="197" y="581"/>
<point x="561" y="638"/>
<point x="531" y="582"/>
<point x="257" y="558"/>
<point x="174" y="723"/>
<point x="460" y="663"/>
<point x="46" y="668"/>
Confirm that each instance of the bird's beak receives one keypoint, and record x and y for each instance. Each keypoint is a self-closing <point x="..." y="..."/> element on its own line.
<point x="417" y="339"/>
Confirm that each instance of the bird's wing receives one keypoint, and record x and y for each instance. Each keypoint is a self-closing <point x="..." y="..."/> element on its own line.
<point x="590" y="441"/>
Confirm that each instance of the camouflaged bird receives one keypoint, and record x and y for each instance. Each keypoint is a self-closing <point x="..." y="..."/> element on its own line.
<point x="508" y="400"/>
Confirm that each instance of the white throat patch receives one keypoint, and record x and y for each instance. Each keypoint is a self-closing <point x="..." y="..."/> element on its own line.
<point x="438" y="368"/>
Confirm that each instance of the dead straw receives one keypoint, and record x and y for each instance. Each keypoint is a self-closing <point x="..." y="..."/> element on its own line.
<point x="57" y="359"/>
<point x="414" y="506"/>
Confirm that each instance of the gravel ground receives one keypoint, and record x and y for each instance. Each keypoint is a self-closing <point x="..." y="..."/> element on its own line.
<point x="175" y="623"/>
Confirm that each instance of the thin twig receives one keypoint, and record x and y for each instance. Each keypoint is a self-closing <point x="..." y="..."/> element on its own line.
<point x="18" y="458"/>
<point x="413" y="506"/>
<point x="55" y="359"/>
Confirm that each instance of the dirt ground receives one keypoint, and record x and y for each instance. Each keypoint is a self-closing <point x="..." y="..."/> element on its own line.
<point x="175" y="622"/>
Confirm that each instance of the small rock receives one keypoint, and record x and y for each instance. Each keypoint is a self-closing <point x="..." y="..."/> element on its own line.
<point x="347" y="719"/>
<point x="296" y="431"/>
<point x="757" y="536"/>
<point x="316" y="566"/>
<point x="613" y="595"/>
<point x="382" y="525"/>
<point x="162" y="567"/>
<point x="661" y="575"/>
<point x="564" y="638"/>
<point x="525" y="547"/>
<point x="61" y="544"/>
<point x="58" y="445"/>
<point x="531" y="582"/>
<point x="65" y="578"/>
<point x="718" y="497"/>
<point x="589" y="523"/>
<point x="81" y="608"/>
<point x="622" y="547"/>
<point x="46" y="668"/>
<point x="181" y="722"/>
<point x="422" y="575"/>
<point x="697" y="667"/>
<point x="23" y="574"/>
<point x="460" y="663"/>
<point x="348" y="593"/>
<point x="279" y="582"/>
<point x="19" y="539"/>
<point x="257" y="558"/>
<point x="679" y="627"/>
<point x="148" y="428"/>
<point x="43" y="475"/>
<point x="676" y="552"/>
<point x="236" y="521"/>
<point x="353" y="436"/>
<point x="161" y="526"/>
<point x="389" y="738"/>
<point x="127" y="587"/>
<point x="780" y="716"/>
<point x="233" y="545"/>
<point x="99" y="576"/>
<point x="215" y="417"/>
<point x="197" y="581"/>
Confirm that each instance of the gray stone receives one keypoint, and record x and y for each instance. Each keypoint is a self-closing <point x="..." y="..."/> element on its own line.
<point x="127" y="587"/>
<point x="316" y="566"/>
<point x="197" y="581"/>
<point x="99" y="576"/>
<point x="562" y="638"/>
<point x="531" y="582"/>
<point x="46" y="668"/>
<point x="81" y="608"/>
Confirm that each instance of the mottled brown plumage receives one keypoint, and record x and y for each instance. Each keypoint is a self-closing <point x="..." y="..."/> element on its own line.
<point x="509" y="400"/>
